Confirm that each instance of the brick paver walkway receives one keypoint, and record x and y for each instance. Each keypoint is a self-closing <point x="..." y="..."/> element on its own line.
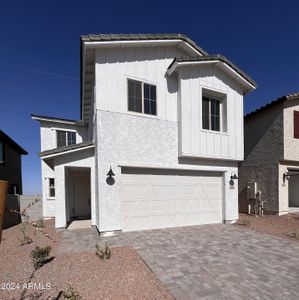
<point x="213" y="261"/>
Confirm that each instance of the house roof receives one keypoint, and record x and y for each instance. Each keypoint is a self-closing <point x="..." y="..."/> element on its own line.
<point x="65" y="149"/>
<point x="141" y="37"/>
<point x="212" y="58"/>
<point x="54" y="119"/>
<point x="274" y="103"/>
<point x="9" y="141"/>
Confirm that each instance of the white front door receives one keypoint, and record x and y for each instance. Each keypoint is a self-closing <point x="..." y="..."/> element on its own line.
<point x="161" y="199"/>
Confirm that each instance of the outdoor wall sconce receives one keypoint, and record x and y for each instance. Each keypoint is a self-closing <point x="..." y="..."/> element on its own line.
<point x="286" y="176"/>
<point x="110" y="180"/>
<point x="110" y="173"/>
<point x="232" y="178"/>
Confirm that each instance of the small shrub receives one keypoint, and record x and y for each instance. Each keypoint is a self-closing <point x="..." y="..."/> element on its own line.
<point x="40" y="223"/>
<point x="103" y="253"/>
<point x="71" y="294"/>
<point x="40" y="256"/>
<point x="25" y="239"/>
<point x="243" y="222"/>
<point x="293" y="235"/>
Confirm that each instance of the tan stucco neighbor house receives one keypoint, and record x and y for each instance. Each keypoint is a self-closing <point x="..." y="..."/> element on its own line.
<point x="271" y="155"/>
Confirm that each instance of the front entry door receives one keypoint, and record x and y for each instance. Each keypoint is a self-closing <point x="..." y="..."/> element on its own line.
<point x="82" y="206"/>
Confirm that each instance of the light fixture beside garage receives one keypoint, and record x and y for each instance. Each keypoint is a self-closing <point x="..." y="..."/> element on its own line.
<point x="110" y="180"/>
<point x="286" y="176"/>
<point x="232" y="178"/>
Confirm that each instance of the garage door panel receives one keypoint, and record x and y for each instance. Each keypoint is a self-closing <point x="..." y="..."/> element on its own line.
<point x="161" y="200"/>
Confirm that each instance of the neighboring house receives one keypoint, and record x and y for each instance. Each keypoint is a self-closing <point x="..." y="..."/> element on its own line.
<point x="11" y="171"/>
<point x="160" y="136"/>
<point x="10" y="163"/>
<point x="272" y="155"/>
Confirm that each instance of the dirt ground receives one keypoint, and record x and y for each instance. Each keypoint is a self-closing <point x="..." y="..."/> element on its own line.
<point x="123" y="276"/>
<point x="286" y="226"/>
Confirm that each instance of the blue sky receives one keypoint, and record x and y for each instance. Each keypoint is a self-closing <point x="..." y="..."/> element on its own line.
<point x="261" y="37"/>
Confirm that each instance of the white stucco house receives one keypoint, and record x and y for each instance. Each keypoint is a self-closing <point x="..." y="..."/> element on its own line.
<point x="165" y="118"/>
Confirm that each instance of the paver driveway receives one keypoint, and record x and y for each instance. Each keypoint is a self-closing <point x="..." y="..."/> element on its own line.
<point x="217" y="261"/>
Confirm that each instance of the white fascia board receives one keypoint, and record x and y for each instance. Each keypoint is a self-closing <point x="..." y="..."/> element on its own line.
<point x="249" y="87"/>
<point x="174" y="167"/>
<point x="123" y="43"/>
<point x="66" y="152"/>
<point x="41" y="119"/>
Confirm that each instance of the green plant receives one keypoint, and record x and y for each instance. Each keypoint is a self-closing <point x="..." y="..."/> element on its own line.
<point x="243" y="222"/>
<point x="25" y="239"/>
<point x="40" y="256"/>
<point x="103" y="253"/>
<point x="70" y="293"/>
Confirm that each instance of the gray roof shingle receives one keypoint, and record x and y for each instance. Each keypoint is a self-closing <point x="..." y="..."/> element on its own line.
<point x="217" y="57"/>
<point x="272" y="104"/>
<point x="140" y="37"/>
<point x="65" y="148"/>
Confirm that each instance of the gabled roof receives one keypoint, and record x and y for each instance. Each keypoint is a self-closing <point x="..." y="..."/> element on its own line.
<point x="212" y="58"/>
<point x="141" y="37"/>
<point x="65" y="149"/>
<point x="272" y="104"/>
<point x="57" y="120"/>
<point x="9" y="141"/>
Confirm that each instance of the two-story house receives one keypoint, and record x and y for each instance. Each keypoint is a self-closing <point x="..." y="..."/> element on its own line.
<point x="159" y="139"/>
<point x="272" y="155"/>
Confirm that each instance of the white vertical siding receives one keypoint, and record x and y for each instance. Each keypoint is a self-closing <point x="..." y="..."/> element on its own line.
<point x="204" y="143"/>
<point x="115" y="65"/>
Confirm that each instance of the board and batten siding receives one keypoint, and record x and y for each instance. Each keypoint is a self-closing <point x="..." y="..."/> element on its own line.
<point x="148" y="64"/>
<point x="205" y="143"/>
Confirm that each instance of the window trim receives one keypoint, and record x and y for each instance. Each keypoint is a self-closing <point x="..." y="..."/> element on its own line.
<point x="209" y="97"/>
<point x="66" y="138"/>
<point x="295" y="115"/>
<point x="142" y="81"/>
<point x="2" y="162"/>
<point x="49" y="187"/>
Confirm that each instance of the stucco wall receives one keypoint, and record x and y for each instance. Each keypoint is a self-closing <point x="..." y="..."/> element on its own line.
<point x="48" y="133"/>
<point x="142" y="140"/>
<point x="291" y="145"/>
<point x="48" y="202"/>
<point x="11" y="170"/>
<point x="83" y="158"/>
<point x="263" y="150"/>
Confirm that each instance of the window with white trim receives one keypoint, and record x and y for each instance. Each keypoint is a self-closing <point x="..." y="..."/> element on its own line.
<point x="142" y="97"/>
<point x="65" y="138"/>
<point x="51" y="187"/>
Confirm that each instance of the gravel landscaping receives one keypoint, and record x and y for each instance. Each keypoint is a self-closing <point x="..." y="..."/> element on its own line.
<point x="123" y="276"/>
<point x="286" y="226"/>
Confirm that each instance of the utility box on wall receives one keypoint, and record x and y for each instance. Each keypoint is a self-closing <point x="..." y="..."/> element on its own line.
<point x="251" y="190"/>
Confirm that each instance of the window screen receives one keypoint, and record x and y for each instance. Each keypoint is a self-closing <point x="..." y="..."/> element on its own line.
<point x="296" y="124"/>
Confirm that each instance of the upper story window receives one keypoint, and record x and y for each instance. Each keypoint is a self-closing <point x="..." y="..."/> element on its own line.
<point x="210" y="113"/>
<point x="2" y="153"/>
<point x="142" y="97"/>
<point x="296" y="124"/>
<point x="65" y="138"/>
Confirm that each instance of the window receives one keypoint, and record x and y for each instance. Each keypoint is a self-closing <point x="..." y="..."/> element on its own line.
<point x="65" y="138"/>
<point x="2" y="153"/>
<point x="142" y="97"/>
<point x="51" y="187"/>
<point x="210" y="114"/>
<point x="296" y="124"/>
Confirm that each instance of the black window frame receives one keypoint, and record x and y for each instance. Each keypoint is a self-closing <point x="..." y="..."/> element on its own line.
<point x="68" y="141"/>
<point x="213" y="116"/>
<point x="51" y="188"/>
<point x="147" y="96"/>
